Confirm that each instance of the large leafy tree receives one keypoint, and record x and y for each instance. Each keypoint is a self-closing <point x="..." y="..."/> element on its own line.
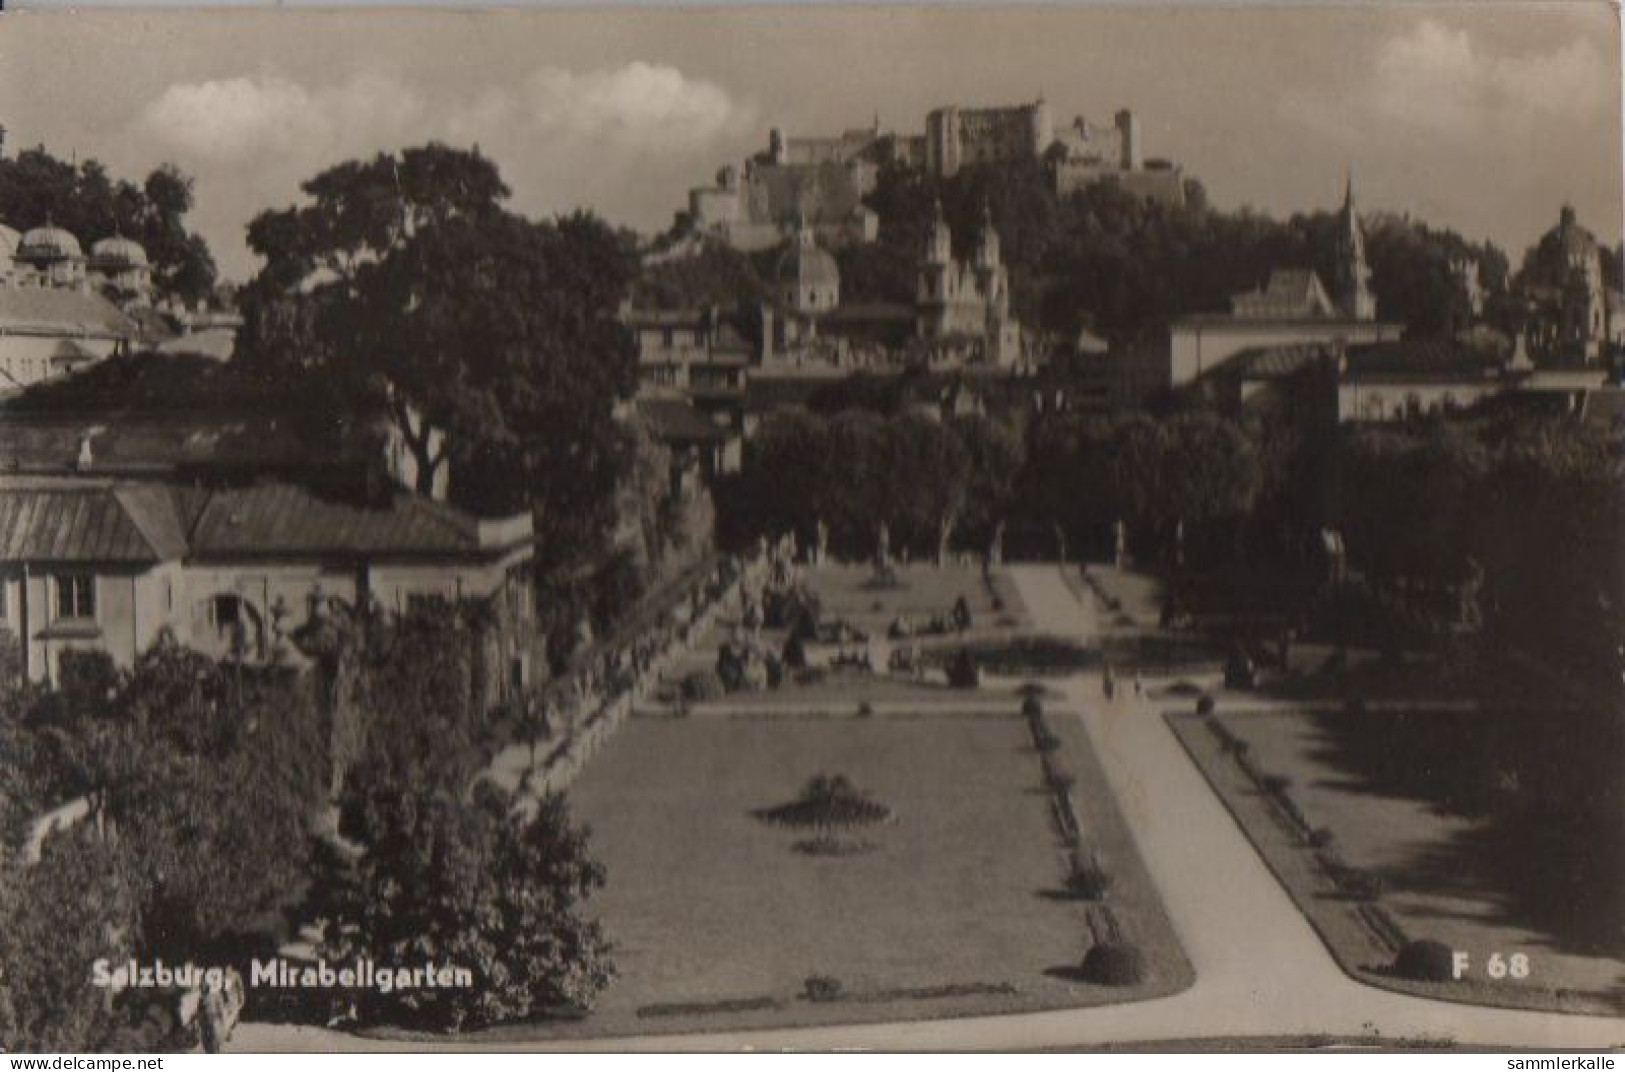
<point x="404" y="289"/>
<point x="83" y="198"/>
<point x="469" y="881"/>
<point x="79" y="903"/>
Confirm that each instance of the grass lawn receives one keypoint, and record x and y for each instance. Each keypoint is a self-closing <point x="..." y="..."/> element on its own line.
<point x="1449" y="874"/>
<point x="718" y="920"/>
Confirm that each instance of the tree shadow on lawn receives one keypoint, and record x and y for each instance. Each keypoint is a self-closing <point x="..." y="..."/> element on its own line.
<point x="1534" y="866"/>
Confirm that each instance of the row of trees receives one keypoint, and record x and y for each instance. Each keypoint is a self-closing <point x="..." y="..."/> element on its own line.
<point x="927" y="481"/>
<point x="938" y="484"/>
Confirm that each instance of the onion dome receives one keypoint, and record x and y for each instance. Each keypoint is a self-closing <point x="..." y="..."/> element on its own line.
<point x="117" y="254"/>
<point x="49" y="244"/>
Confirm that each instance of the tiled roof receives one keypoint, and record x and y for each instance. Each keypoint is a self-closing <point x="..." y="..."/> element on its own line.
<point x="1274" y="362"/>
<point x="93" y="519"/>
<point x="82" y="521"/>
<point x="60" y="310"/>
<point x="1290" y="293"/>
<point x="285" y="519"/>
<point x="674" y="420"/>
<point x="1421" y="361"/>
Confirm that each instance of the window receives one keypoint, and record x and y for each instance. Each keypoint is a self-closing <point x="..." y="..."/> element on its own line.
<point x="76" y="596"/>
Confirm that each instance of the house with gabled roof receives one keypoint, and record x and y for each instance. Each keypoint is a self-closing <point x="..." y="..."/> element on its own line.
<point x="108" y="563"/>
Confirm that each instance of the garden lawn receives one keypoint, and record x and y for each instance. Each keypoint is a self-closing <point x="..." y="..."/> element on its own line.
<point x="1447" y="875"/>
<point x="952" y="912"/>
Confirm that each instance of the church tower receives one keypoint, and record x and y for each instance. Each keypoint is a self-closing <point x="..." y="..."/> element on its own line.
<point x="992" y="280"/>
<point x="938" y="278"/>
<point x="1351" y="287"/>
<point x="939" y="241"/>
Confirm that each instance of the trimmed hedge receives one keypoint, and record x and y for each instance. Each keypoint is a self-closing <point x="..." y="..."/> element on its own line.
<point x="1088" y="882"/>
<point x="1426" y="961"/>
<point x="1114" y="964"/>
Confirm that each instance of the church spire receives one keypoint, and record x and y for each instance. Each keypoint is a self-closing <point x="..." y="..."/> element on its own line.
<point x="1353" y="279"/>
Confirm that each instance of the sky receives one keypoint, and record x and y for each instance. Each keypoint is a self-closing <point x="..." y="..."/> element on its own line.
<point x="1484" y="117"/>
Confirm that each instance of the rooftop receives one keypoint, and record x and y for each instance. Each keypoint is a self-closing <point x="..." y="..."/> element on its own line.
<point x="98" y="519"/>
<point x="33" y="310"/>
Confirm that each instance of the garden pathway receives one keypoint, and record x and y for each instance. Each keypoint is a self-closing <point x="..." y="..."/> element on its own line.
<point x="1260" y="969"/>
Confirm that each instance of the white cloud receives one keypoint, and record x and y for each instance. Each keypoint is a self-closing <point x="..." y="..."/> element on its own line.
<point x="619" y="138"/>
<point x="1432" y="79"/>
<point x="638" y="105"/>
<point x="634" y="107"/>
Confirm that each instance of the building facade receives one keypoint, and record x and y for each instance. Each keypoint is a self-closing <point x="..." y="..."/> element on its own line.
<point x="98" y="563"/>
<point x="967" y="301"/>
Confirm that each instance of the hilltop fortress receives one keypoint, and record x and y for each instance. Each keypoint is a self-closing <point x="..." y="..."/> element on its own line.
<point x="822" y="181"/>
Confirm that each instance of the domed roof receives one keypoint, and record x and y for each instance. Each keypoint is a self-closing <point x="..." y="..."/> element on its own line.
<point x="49" y="242"/>
<point x="807" y="265"/>
<point x="120" y="252"/>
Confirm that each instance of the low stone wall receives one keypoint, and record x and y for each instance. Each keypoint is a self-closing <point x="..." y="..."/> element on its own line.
<point x="609" y="711"/>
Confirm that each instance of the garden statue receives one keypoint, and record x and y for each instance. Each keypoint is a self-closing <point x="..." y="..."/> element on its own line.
<point x="995" y="552"/>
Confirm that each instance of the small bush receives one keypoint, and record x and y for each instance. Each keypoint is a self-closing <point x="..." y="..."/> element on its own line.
<point x="821" y="988"/>
<point x="1425" y="961"/>
<point x="1045" y="741"/>
<point x="1320" y="838"/>
<point x="1275" y="783"/>
<point x="1031" y="707"/>
<point x="795" y="652"/>
<point x="703" y="685"/>
<point x="1205" y="705"/>
<point x="866" y="709"/>
<point x="1114" y="964"/>
<point x="1088" y="882"/>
